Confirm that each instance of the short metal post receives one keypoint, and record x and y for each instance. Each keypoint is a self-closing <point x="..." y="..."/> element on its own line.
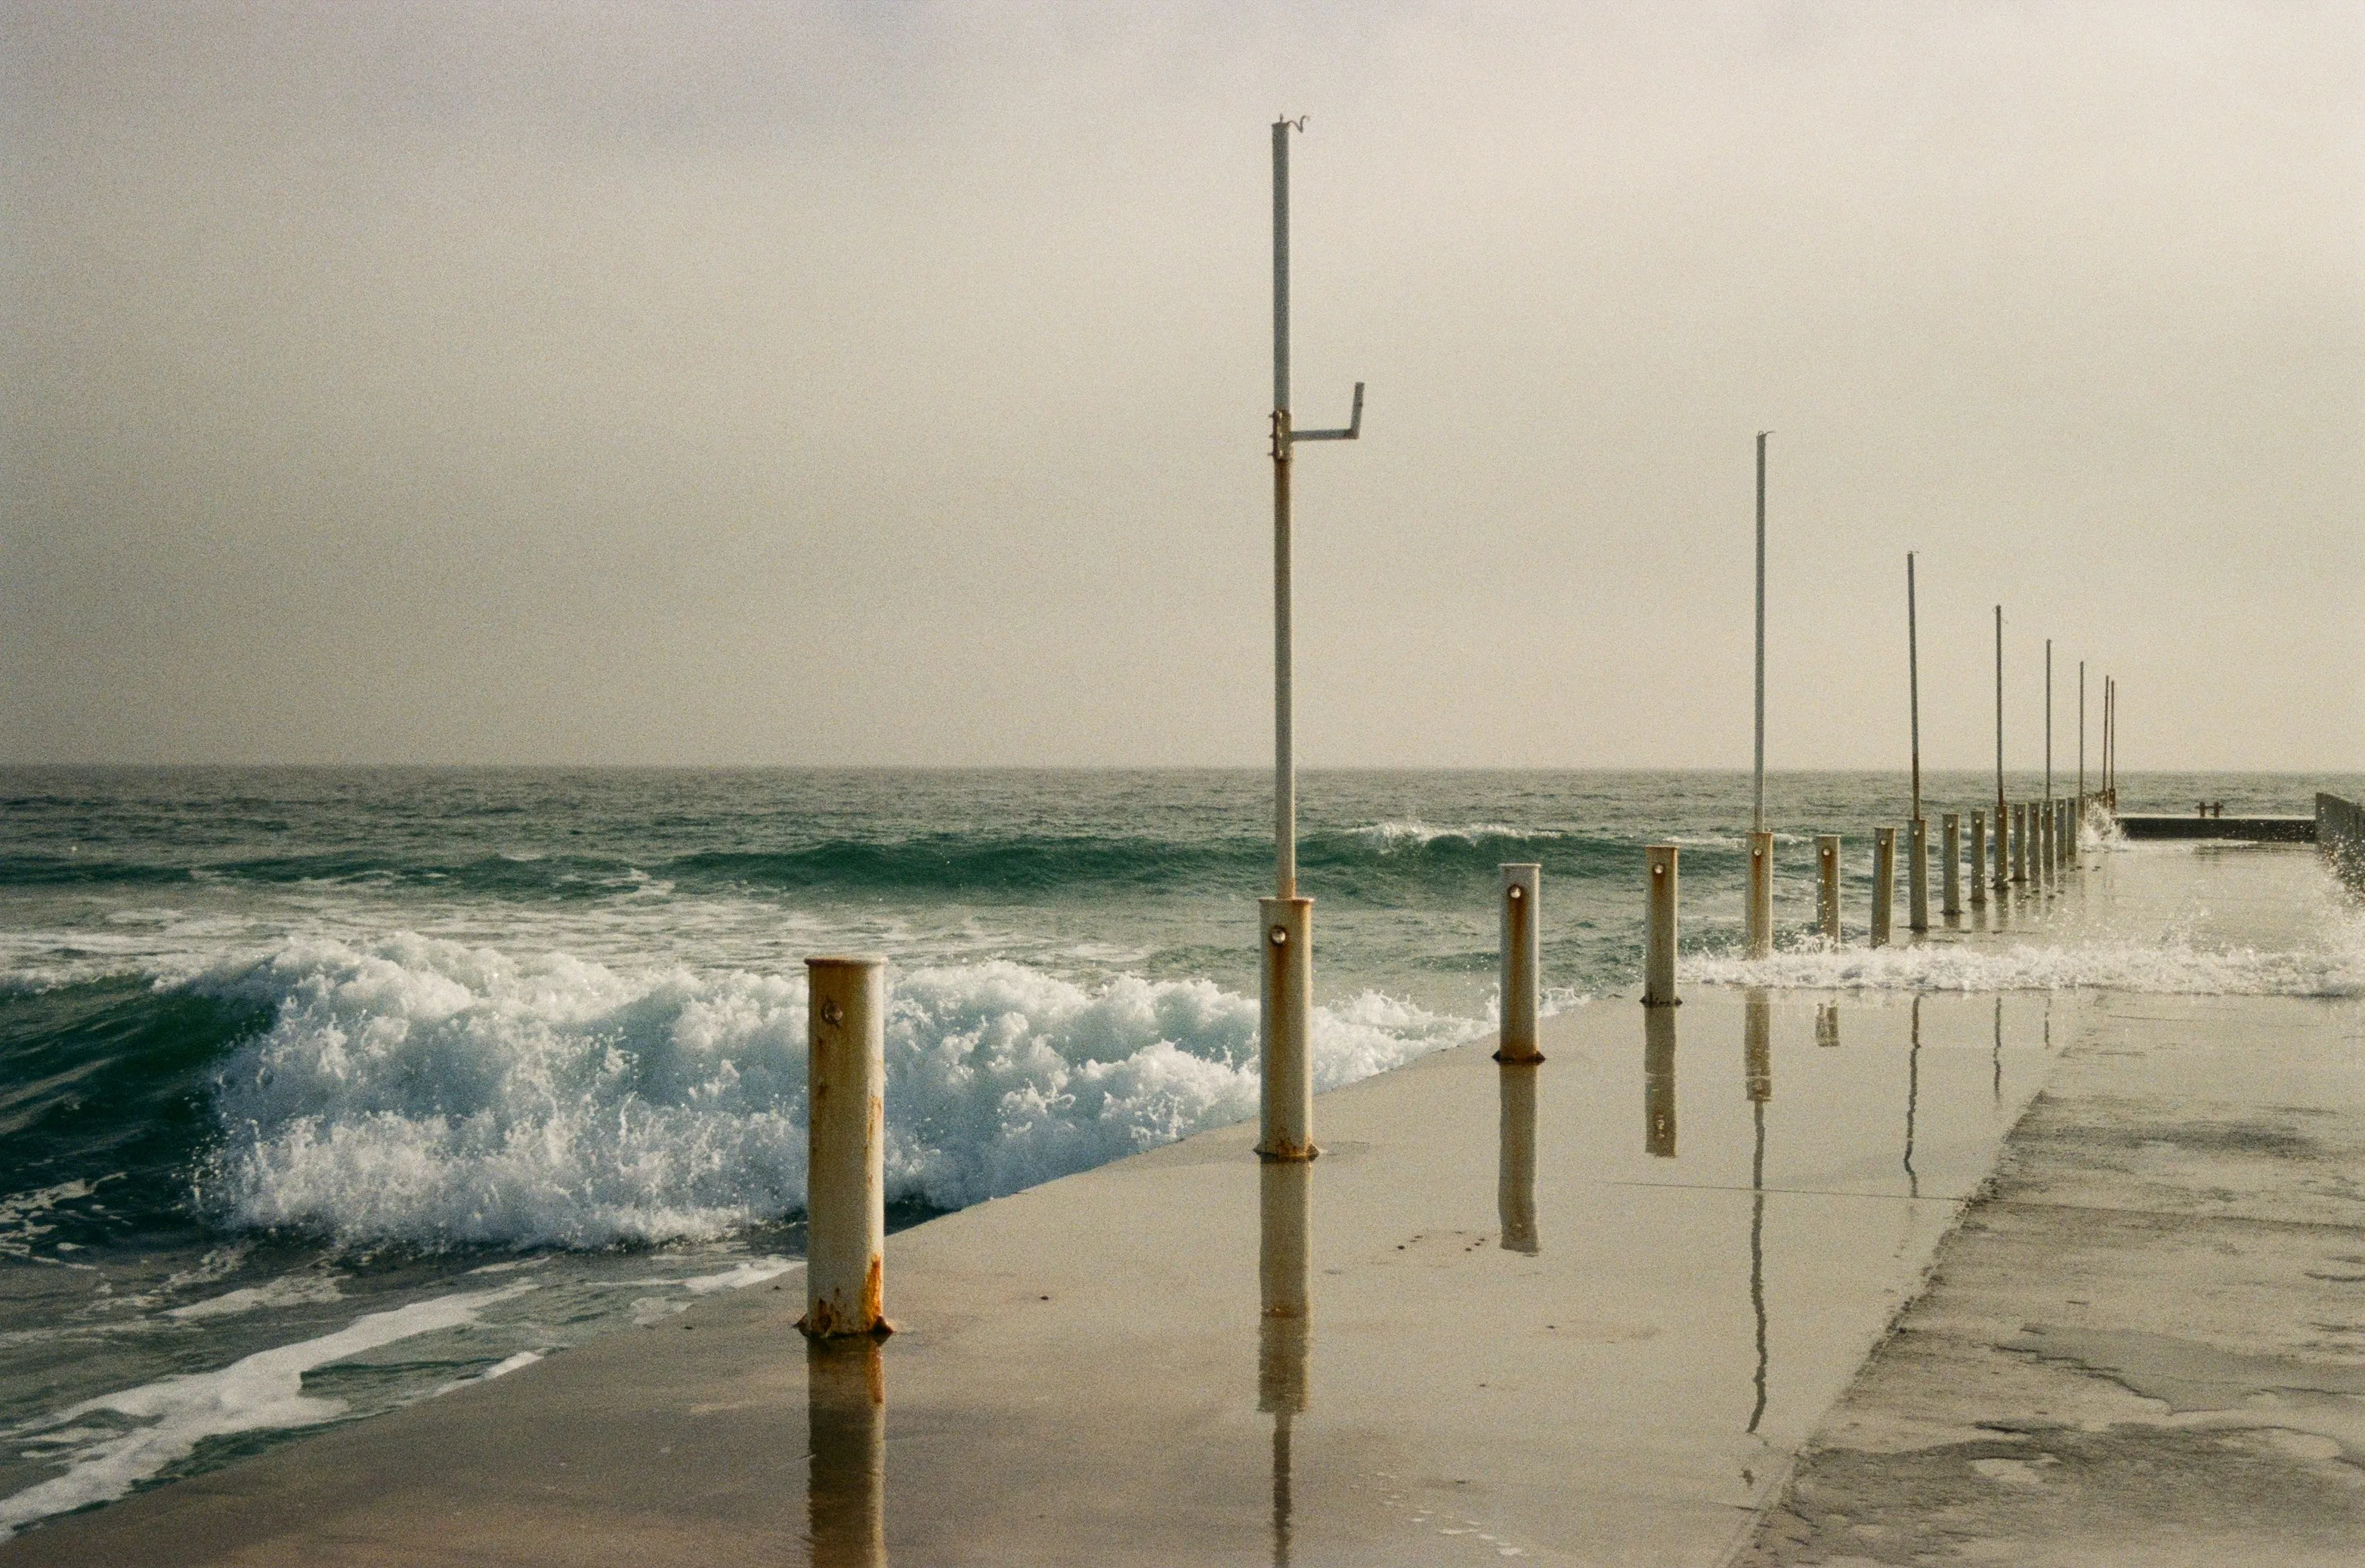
<point x="2003" y="846"/>
<point x="1659" y="947"/>
<point x="1522" y="961"/>
<point x="1884" y="881"/>
<point x="1979" y="858"/>
<point x="1761" y="894"/>
<point x="1917" y="874"/>
<point x="2020" y="843"/>
<point x="845" y="1114"/>
<point x="1827" y="892"/>
<point x="1287" y="941"/>
<point x="1950" y="843"/>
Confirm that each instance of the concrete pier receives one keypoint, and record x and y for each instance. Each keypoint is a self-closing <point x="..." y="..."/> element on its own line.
<point x="1192" y="1357"/>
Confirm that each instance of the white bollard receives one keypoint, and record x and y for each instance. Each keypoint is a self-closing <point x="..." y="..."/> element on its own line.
<point x="1950" y="844"/>
<point x="1659" y="944"/>
<point x="2020" y="843"/>
<point x="1979" y="858"/>
<point x="1761" y="895"/>
<point x="2002" y="847"/>
<point x="1286" y="927"/>
<point x="845" y="1117"/>
<point x="1827" y="892"/>
<point x="1522" y="961"/>
<point x="1917" y="874"/>
<point x="1883" y="882"/>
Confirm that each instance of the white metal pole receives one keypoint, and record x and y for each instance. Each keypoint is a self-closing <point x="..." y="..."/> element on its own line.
<point x="1758" y="809"/>
<point x="846" y="1189"/>
<point x="1284" y="759"/>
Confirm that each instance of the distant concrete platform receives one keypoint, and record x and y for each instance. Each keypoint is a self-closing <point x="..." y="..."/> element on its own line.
<point x="2250" y="830"/>
<point x="1580" y="1313"/>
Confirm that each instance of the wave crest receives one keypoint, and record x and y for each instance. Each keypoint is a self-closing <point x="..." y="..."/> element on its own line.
<point x="423" y="1092"/>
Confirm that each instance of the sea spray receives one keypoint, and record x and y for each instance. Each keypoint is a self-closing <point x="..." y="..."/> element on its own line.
<point x="431" y="1093"/>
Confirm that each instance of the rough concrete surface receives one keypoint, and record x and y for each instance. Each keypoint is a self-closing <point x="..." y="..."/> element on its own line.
<point x="2146" y="1343"/>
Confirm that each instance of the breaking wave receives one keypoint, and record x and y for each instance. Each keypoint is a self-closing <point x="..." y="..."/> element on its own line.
<point x="423" y="1092"/>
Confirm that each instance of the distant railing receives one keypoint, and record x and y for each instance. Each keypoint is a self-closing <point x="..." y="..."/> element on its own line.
<point x="2340" y="837"/>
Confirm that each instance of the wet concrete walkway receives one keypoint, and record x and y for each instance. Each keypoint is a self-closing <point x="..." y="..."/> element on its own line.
<point x="2148" y="1346"/>
<point x="1581" y="1312"/>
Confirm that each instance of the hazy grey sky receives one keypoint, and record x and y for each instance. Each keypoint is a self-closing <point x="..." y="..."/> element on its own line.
<point x="792" y="382"/>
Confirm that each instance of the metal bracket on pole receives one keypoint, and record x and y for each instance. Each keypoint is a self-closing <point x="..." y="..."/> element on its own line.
<point x="1354" y="425"/>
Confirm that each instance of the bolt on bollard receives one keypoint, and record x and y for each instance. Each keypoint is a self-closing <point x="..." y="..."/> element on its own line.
<point x="1659" y="947"/>
<point x="1761" y="894"/>
<point x="1979" y="858"/>
<point x="1917" y="874"/>
<point x="1288" y="1101"/>
<point x="1950" y="845"/>
<point x="845" y="1188"/>
<point x="1883" y="882"/>
<point x="1522" y="961"/>
<point x="1827" y="889"/>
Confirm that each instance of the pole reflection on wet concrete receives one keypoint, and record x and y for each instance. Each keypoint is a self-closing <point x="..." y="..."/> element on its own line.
<point x="1999" y="1051"/>
<point x="1912" y="1096"/>
<point x="1827" y="1024"/>
<point x="1659" y="1082"/>
<point x="845" y="1417"/>
<point x="1285" y="1325"/>
<point x="1757" y="1051"/>
<point x="1514" y="1194"/>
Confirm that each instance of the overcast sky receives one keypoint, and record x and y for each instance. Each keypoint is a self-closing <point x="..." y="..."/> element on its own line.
<point x="735" y="383"/>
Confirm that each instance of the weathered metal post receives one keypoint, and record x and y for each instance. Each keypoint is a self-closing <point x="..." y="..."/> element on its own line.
<point x="845" y="1187"/>
<point x="1827" y="892"/>
<point x="1659" y="945"/>
<point x="1287" y="998"/>
<point x="1883" y="882"/>
<point x="2020" y="843"/>
<point x="1522" y="961"/>
<point x="1758" y="922"/>
<point x="1287" y="921"/>
<point x="1979" y="858"/>
<point x="1917" y="875"/>
<point x="1950" y="839"/>
<point x="1761" y="894"/>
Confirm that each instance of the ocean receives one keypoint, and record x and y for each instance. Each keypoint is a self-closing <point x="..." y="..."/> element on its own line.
<point x="326" y="1090"/>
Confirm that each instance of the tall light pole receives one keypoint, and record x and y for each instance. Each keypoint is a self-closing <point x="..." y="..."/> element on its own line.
<point x="1758" y="923"/>
<point x="1285" y="926"/>
<point x="1917" y="865"/>
<point x="2003" y="811"/>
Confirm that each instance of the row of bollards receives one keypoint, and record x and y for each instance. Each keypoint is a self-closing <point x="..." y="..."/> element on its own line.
<point x="2041" y="839"/>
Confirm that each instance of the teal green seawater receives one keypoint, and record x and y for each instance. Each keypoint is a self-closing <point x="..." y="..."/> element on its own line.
<point x="475" y="1063"/>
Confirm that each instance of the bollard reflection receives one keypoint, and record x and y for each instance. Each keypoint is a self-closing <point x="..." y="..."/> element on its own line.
<point x="1827" y="1024"/>
<point x="1515" y="1186"/>
<point x="1285" y="1325"/>
<point x="1757" y="1047"/>
<point x="1659" y="1082"/>
<point x="845" y="1487"/>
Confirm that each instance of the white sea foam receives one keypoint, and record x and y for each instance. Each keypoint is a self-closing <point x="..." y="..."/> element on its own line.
<point x="426" y="1091"/>
<point x="167" y="1418"/>
<point x="2170" y="967"/>
<point x="289" y="1290"/>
